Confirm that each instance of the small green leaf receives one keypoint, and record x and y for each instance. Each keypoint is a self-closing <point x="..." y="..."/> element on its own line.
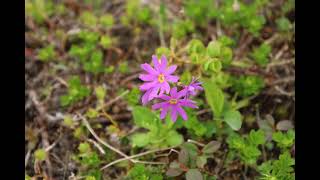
<point x="284" y="125"/>
<point x="211" y="128"/>
<point x="174" y="164"/>
<point x="256" y="137"/>
<point x="174" y="139"/>
<point x="211" y="147"/>
<point x="233" y="119"/>
<point x="186" y="77"/>
<point x="214" y="96"/>
<point x="133" y="96"/>
<point x="84" y="147"/>
<point x="261" y="54"/>
<point x="106" y="41"/>
<point x="183" y="156"/>
<point x="247" y="85"/>
<point x="100" y="92"/>
<point x="215" y="66"/>
<point x="196" y="46"/>
<point x="47" y="53"/>
<point x="27" y="177"/>
<point x="173" y="172"/>
<point x="194" y="174"/>
<point x="191" y="152"/>
<point x="90" y="178"/>
<point x="143" y="117"/>
<point x="140" y="139"/>
<point x="92" y="113"/>
<point x="87" y="18"/>
<point x="214" y="49"/>
<point x="67" y="121"/>
<point x="201" y="161"/>
<point x="162" y="51"/>
<point x="40" y="154"/>
<point x="191" y="148"/>
<point x="283" y="24"/>
<point x="226" y="41"/>
<point x="226" y="55"/>
<point x="107" y="20"/>
<point x="284" y="140"/>
<point x="123" y="67"/>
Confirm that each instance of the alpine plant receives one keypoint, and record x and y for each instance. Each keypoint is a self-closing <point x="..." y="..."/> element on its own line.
<point x="156" y="85"/>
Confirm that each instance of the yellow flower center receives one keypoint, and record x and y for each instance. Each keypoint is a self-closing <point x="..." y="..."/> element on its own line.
<point x="161" y="78"/>
<point x="159" y="60"/>
<point x="173" y="101"/>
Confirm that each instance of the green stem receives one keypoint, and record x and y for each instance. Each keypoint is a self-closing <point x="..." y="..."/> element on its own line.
<point x="218" y="123"/>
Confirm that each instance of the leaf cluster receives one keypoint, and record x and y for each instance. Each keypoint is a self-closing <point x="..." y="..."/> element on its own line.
<point x="191" y="160"/>
<point x="247" y="148"/>
<point x="158" y="135"/>
<point x="76" y="92"/>
<point x="247" y="85"/>
<point x="278" y="169"/>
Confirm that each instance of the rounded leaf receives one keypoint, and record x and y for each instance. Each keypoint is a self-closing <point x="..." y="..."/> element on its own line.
<point x="211" y="147"/>
<point x="233" y="119"/>
<point x="173" y="172"/>
<point x="140" y="139"/>
<point x="201" y="161"/>
<point x="214" y="49"/>
<point x="194" y="174"/>
<point x="215" y="66"/>
<point x="183" y="156"/>
<point x="174" y="139"/>
<point x="284" y="125"/>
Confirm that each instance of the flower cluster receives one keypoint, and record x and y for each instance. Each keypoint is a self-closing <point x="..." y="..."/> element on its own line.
<point x="156" y="86"/>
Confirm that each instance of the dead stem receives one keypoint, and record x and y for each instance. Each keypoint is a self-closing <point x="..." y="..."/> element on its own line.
<point x="113" y="100"/>
<point x="40" y="120"/>
<point x="86" y="123"/>
<point x="97" y="146"/>
<point x="110" y="118"/>
<point x="138" y="155"/>
<point x="26" y="159"/>
<point x="196" y="142"/>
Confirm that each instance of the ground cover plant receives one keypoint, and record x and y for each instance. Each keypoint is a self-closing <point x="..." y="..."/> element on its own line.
<point x="157" y="89"/>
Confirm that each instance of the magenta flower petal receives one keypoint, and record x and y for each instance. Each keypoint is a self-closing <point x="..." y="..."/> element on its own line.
<point x="174" y="114"/>
<point x="164" y="112"/>
<point x="192" y="87"/>
<point x="154" y="93"/>
<point x="188" y="103"/>
<point x="148" y="68"/>
<point x="145" y="97"/>
<point x="147" y="85"/>
<point x="181" y="93"/>
<point x="161" y="92"/>
<point x="159" y="105"/>
<point x="182" y="113"/>
<point x="172" y="78"/>
<point x="175" y="104"/>
<point x="171" y="69"/>
<point x="163" y="63"/>
<point x="173" y="92"/>
<point x="164" y="97"/>
<point x="166" y="87"/>
<point x="147" y="77"/>
<point x="156" y="63"/>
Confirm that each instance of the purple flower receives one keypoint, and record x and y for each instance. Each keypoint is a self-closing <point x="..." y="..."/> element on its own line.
<point x="192" y="87"/>
<point x="157" y="79"/>
<point x="174" y="103"/>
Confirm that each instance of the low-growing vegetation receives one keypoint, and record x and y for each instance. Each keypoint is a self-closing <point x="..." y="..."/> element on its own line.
<point x="139" y="90"/>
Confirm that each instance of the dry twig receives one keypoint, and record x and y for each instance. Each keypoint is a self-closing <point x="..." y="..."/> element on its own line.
<point x="126" y="157"/>
<point x="40" y="120"/>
